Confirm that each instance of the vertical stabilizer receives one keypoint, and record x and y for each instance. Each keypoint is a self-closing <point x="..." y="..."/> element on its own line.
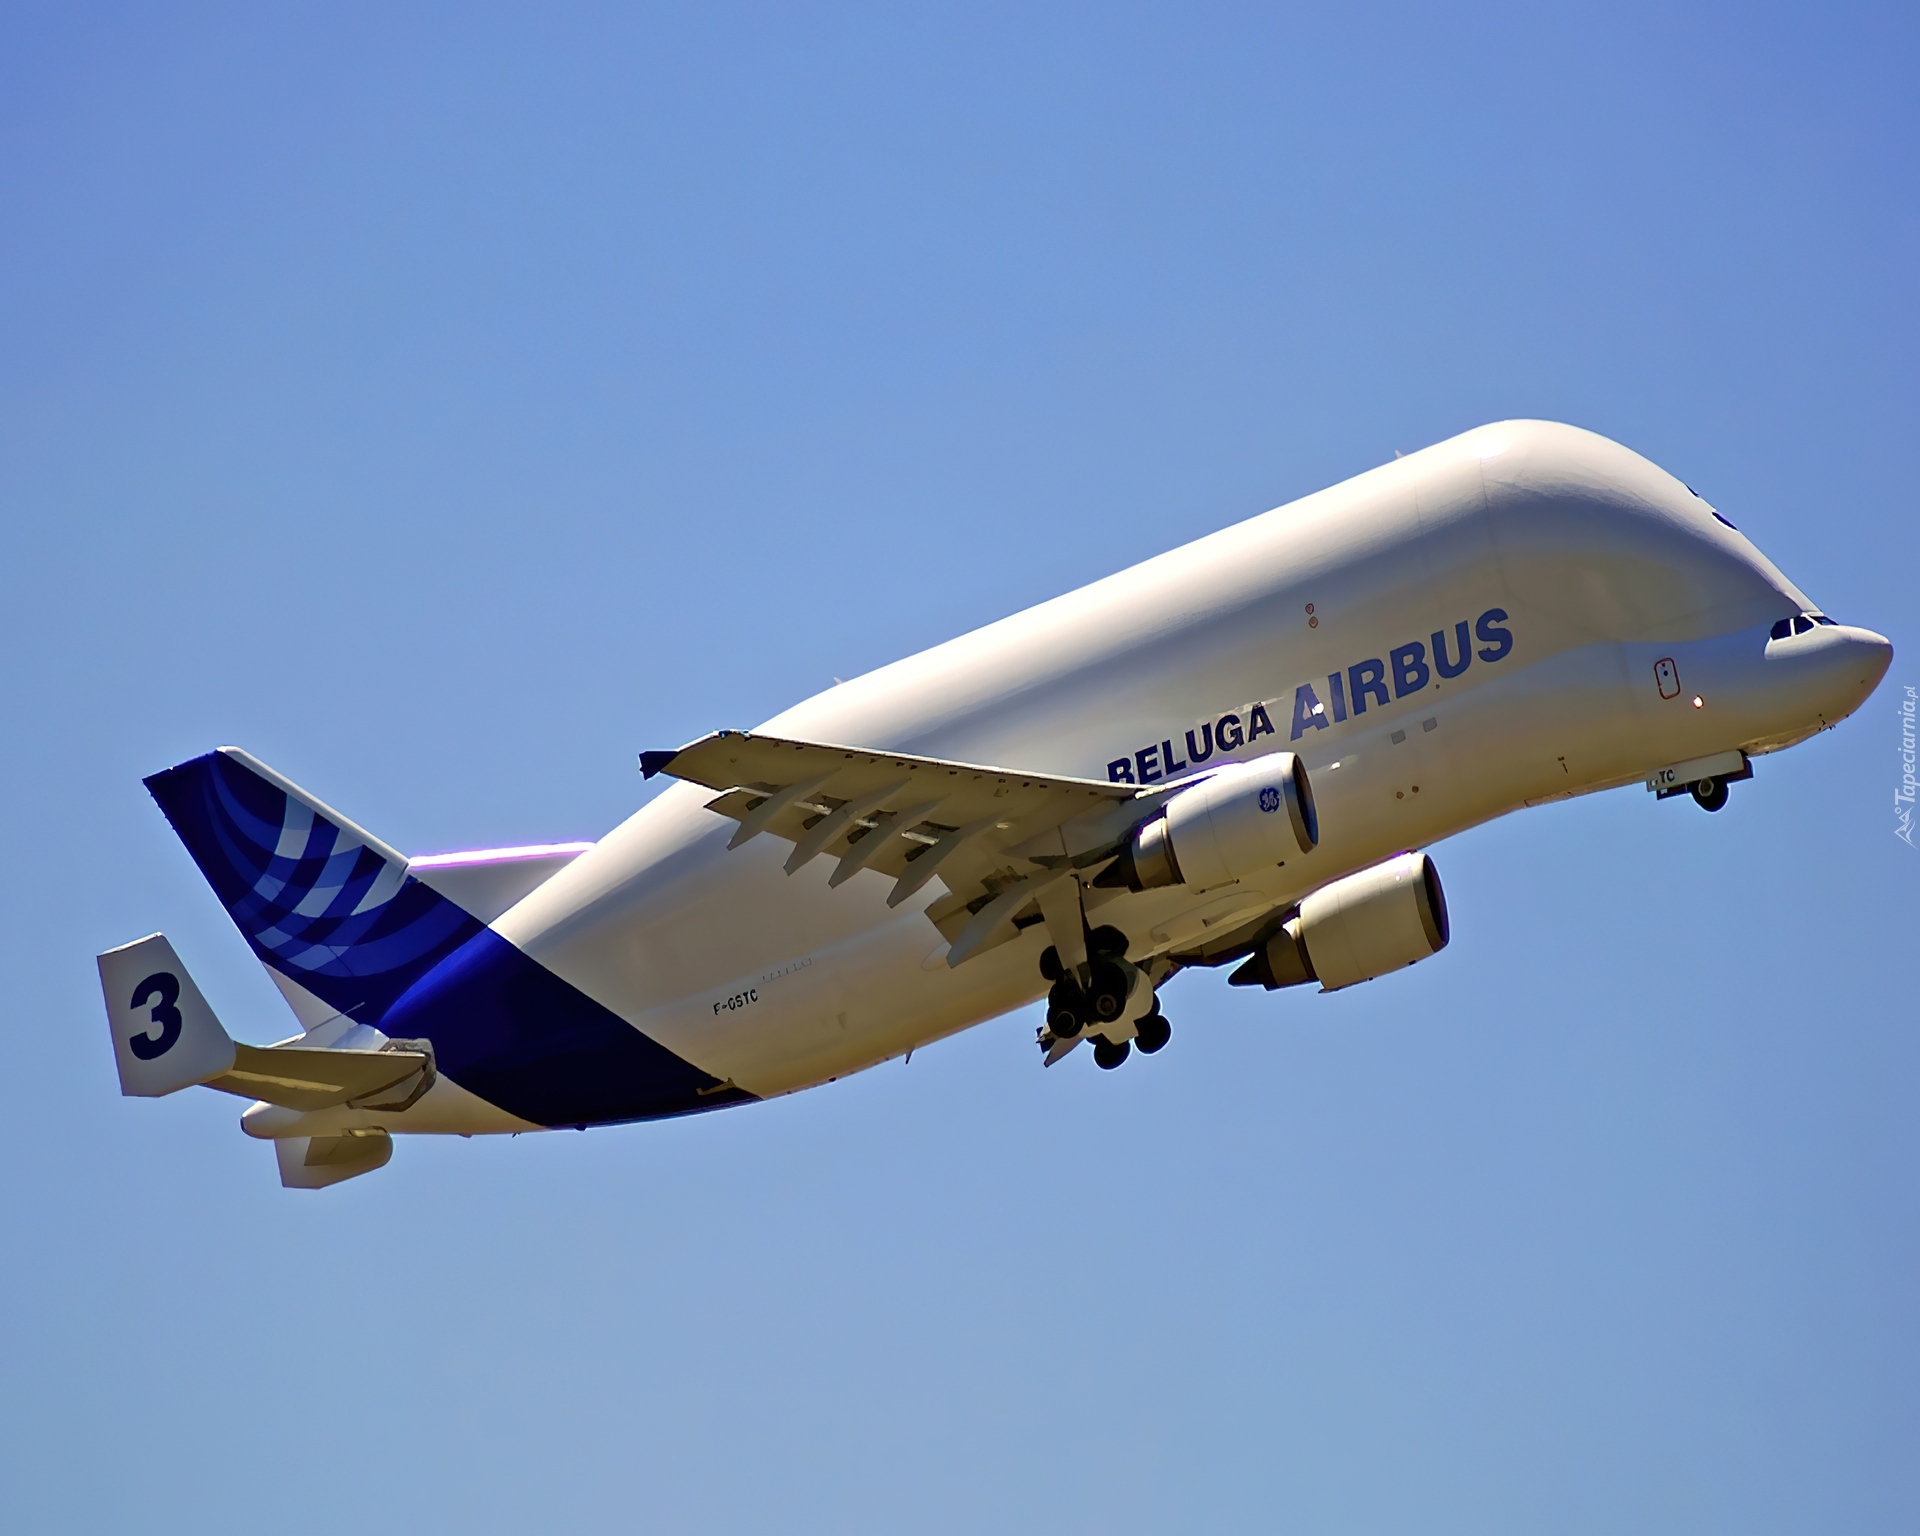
<point x="323" y="902"/>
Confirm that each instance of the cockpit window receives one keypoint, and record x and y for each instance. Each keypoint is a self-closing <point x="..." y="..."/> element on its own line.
<point x="1723" y="517"/>
<point x="1800" y="624"/>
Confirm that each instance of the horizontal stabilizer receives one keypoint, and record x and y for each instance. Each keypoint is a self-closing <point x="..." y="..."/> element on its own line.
<point x="301" y="1077"/>
<point x="165" y="1038"/>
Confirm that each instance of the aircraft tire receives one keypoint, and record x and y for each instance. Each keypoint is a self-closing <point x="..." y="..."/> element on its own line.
<point x="1064" y="1008"/>
<point x="1107" y="993"/>
<point x="1710" y="794"/>
<point x="1108" y="1054"/>
<point x="1152" y="1032"/>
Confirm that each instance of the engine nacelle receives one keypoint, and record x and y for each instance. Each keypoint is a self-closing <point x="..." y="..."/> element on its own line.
<point x="1379" y="920"/>
<point x="1234" y="823"/>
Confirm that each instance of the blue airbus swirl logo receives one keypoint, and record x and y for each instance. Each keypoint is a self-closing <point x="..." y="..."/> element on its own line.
<point x="1269" y="799"/>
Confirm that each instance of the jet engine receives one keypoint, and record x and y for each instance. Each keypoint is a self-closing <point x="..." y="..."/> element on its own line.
<point x="1243" y="819"/>
<point x="1379" y="920"/>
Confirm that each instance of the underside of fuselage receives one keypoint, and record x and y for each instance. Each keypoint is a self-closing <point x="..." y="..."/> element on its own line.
<point x="1522" y="613"/>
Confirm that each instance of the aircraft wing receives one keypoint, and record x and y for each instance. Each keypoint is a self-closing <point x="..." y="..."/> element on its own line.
<point x="997" y="837"/>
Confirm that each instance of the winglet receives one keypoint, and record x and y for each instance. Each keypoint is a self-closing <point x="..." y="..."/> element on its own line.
<point x="659" y="762"/>
<point x="165" y="1037"/>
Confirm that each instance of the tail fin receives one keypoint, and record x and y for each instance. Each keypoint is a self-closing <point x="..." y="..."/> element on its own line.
<point x="323" y="903"/>
<point x="165" y="1037"/>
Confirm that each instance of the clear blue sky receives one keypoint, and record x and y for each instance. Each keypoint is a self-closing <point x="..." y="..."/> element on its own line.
<point x="446" y="404"/>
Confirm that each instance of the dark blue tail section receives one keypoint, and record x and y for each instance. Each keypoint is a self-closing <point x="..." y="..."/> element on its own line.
<point x="321" y="901"/>
<point x="505" y="1027"/>
<point x="331" y="907"/>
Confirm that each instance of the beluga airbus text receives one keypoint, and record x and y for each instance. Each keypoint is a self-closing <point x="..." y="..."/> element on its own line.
<point x="1228" y="756"/>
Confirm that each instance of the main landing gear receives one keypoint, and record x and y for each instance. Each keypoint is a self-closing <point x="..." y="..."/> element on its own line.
<point x="1072" y="1007"/>
<point x="1098" y="1005"/>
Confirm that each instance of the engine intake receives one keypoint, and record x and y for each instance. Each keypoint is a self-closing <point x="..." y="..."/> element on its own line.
<point x="1234" y="823"/>
<point x="1380" y="920"/>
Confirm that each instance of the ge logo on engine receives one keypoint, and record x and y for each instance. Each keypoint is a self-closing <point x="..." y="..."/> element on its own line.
<point x="1269" y="799"/>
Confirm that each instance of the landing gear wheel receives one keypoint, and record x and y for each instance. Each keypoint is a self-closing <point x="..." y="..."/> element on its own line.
<point x="1107" y="992"/>
<point x="1050" y="967"/>
<point x="1710" y="794"/>
<point x="1064" y="1005"/>
<point x="1152" y="1032"/>
<point x="1108" y="1054"/>
<point x="1107" y="941"/>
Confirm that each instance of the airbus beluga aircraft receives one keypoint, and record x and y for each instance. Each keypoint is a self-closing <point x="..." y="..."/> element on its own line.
<point x="1230" y="755"/>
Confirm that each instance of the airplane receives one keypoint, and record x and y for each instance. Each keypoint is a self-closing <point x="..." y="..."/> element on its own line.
<point x="1231" y="755"/>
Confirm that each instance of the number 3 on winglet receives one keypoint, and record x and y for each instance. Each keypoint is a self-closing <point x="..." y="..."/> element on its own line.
<point x="164" y="986"/>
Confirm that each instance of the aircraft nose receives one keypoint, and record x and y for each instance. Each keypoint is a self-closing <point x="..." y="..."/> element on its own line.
<point x="1872" y="654"/>
<point x="1823" y="672"/>
<point x="1855" y="663"/>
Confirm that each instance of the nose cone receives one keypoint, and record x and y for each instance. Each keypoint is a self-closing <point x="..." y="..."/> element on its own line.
<point x="1846" y="664"/>
<point x="1869" y="656"/>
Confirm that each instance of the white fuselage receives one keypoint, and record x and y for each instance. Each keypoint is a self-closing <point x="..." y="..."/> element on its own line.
<point x="1599" y="565"/>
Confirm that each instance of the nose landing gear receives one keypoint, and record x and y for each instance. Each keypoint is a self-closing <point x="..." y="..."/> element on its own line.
<point x="1705" y="778"/>
<point x="1710" y="794"/>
